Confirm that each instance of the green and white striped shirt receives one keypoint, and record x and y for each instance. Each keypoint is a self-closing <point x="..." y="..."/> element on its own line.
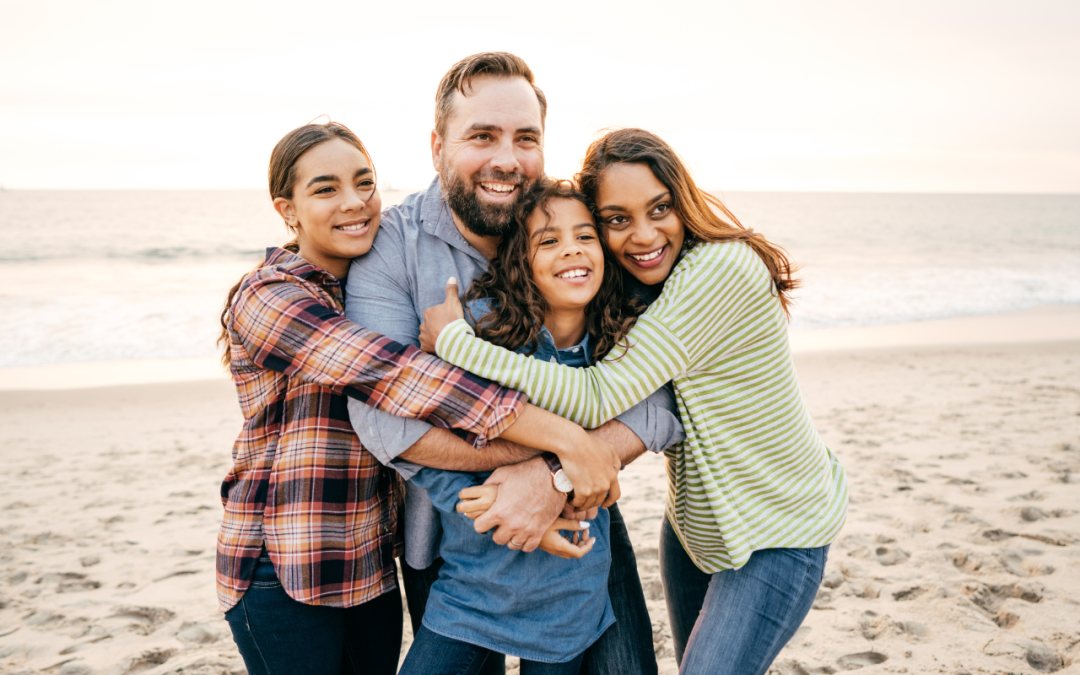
<point x="753" y="472"/>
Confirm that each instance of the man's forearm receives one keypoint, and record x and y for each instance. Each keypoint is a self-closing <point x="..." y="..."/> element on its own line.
<point x="626" y="442"/>
<point x="440" y="449"/>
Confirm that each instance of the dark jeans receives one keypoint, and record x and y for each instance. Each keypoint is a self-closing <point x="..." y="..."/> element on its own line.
<point x="277" y="635"/>
<point x="434" y="654"/>
<point x="735" y="622"/>
<point x="625" y="647"/>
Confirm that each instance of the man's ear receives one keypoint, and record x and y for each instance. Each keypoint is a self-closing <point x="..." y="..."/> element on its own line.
<point x="436" y="149"/>
<point x="285" y="209"/>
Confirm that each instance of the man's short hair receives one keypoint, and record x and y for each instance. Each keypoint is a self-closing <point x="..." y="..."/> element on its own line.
<point x="459" y="79"/>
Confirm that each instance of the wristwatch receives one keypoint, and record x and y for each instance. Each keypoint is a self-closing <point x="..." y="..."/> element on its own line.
<point x="558" y="476"/>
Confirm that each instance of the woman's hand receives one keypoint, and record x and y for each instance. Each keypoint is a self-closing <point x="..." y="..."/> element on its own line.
<point x="476" y="500"/>
<point x="577" y="546"/>
<point x="572" y="513"/>
<point x="593" y="467"/>
<point x="438" y="317"/>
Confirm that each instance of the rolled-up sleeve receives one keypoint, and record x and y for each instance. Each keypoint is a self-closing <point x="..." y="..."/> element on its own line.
<point x="656" y="420"/>
<point x="386" y="436"/>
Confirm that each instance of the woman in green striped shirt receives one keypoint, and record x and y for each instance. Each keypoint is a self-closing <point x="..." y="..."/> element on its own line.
<point x="754" y="495"/>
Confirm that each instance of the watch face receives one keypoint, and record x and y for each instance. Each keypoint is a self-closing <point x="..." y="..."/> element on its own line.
<point x="562" y="482"/>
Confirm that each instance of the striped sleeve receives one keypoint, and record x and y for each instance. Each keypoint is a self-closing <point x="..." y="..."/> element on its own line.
<point x="588" y="396"/>
<point x="698" y="303"/>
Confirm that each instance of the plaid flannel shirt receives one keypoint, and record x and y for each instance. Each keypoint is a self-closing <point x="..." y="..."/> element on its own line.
<point x="301" y="483"/>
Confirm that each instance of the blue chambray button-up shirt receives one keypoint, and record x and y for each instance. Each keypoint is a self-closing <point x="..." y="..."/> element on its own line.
<point x="535" y="606"/>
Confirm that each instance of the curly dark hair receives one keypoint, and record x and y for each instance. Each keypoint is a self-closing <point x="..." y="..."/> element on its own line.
<point x="517" y="307"/>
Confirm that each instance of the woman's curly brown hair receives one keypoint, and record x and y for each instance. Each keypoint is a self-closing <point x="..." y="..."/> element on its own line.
<point x="517" y="307"/>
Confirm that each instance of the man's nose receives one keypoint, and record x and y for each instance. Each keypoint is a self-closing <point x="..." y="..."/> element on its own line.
<point x="506" y="159"/>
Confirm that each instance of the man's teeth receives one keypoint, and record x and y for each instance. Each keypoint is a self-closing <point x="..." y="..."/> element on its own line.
<point x="498" y="187"/>
<point x="351" y="228"/>
<point x="648" y="256"/>
<point x="571" y="274"/>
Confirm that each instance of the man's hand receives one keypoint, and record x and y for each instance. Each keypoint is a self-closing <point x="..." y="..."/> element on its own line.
<point x="527" y="504"/>
<point x="438" y="317"/>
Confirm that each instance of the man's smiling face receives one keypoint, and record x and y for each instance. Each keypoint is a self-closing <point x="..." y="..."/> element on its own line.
<point x="491" y="153"/>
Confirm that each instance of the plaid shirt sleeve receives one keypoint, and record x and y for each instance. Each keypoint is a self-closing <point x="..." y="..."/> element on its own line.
<point x="284" y="326"/>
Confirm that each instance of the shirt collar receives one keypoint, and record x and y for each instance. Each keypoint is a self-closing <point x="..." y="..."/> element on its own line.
<point x="546" y="336"/>
<point x="290" y="263"/>
<point x="438" y="221"/>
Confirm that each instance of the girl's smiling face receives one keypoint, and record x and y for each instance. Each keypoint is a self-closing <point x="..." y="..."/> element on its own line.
<point x="642" y="228"/>
<point x="567" y="258"/>
<point x="334" y="207"/>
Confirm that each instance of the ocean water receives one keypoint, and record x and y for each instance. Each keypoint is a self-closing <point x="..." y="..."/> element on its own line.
<point x="118" y="275"/>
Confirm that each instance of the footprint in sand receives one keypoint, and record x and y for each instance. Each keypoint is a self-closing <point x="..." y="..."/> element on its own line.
<point x="989" y="598"/>
<point x="143" y="620"/>
<point x="891" y="555"/>
<point x="1033" y="496"/>
<point x="69" y="582"/>
<point x="1031" y="514"/>
<point x="144" y="661"/>
<point x="1039" y="656"/>
<point x="195" y="634"/>
<point x="861" y="660"/>
<point x="908" y="594"/>
<point x="793" y="667"/>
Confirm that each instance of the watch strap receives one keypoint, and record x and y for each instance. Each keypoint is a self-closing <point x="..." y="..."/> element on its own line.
<point x="552" y="461"/>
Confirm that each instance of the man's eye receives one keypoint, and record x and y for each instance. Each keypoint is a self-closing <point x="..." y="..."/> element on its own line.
<point x="482" y="137"/>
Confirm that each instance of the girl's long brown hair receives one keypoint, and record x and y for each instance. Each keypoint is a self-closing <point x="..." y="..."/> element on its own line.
<point x="282" y="178"/>
<point x="518" y="308"/>
<point x="704" y="216"/>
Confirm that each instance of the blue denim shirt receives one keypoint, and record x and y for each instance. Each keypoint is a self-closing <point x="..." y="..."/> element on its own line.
<point x="535" y="606"/>
<point x="416" y="249"/>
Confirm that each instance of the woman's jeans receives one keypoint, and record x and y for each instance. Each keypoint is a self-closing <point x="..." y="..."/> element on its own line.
<point x="280" y="636"/>
<point x="736" y="621"/>
<point x="434" y="654"/>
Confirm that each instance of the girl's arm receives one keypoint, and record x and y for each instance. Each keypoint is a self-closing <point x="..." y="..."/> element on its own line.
<point x="707" y="299"/>
<point x="284" y="327"/>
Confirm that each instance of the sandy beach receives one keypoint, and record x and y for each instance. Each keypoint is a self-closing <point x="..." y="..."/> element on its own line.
<point x="961" y="553"/>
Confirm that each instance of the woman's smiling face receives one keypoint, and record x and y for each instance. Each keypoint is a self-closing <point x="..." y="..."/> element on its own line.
<point x="567" y="258"/>
<point x="639" y="221"/>
<point x="335" y="206"/>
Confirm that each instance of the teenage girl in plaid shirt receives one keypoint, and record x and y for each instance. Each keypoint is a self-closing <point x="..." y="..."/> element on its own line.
<point x="305" y="560"/>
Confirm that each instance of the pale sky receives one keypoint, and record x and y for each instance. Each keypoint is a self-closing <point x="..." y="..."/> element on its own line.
<point x="914" y="96"/>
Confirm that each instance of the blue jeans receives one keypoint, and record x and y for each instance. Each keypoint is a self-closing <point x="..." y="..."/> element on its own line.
<point x="625" y="647"/>
<point x="278" y="635"/>
<point x="735" y="622"/>
<point x="434" y="654"/>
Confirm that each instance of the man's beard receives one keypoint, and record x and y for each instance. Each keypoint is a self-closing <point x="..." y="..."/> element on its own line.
<point x="482" y="219"/>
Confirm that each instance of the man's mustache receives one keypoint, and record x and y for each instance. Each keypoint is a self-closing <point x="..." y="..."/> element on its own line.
<point x="498" y="176"/>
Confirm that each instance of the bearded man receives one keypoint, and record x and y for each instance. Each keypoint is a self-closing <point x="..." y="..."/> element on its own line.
<point x="488" y="148"/>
